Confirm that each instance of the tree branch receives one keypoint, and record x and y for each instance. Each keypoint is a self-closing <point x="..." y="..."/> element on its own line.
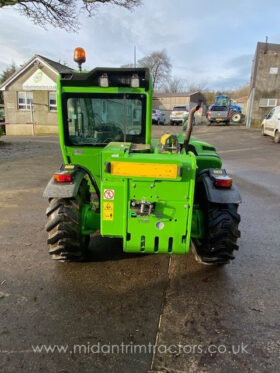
<point x="62" y="13"/>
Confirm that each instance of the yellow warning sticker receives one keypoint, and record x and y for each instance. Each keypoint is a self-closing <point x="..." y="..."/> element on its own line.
<point x="108" y="211"/>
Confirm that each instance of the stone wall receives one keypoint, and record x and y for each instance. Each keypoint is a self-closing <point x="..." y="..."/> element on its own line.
<point x="266" y="85"/>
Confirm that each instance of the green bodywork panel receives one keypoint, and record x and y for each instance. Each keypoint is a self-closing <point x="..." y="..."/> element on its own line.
<point x="168" y="228"/>
<point x="206" y="154"/>
<point x="173" y="218"/>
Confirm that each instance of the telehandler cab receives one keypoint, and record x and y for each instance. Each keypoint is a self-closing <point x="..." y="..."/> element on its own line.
<point x="159" y="196"/>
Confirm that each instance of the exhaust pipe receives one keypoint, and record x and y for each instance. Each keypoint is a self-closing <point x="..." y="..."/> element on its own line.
<point x="190" y="126"/>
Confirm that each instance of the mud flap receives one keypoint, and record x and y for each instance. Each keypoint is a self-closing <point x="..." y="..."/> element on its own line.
<point x="218" y="195"/>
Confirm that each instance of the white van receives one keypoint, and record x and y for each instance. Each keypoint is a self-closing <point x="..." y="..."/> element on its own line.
<point x="271" y="124"/>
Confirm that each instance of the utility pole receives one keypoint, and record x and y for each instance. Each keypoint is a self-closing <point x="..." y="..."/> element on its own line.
<point x="135" y="63"/>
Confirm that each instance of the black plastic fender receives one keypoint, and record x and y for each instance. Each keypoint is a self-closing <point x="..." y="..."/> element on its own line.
<point x="215" y="194"/>
<point x="64" y="190"/>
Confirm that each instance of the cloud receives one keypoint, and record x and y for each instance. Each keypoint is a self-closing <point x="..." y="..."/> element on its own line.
<point x="208" y="42"/>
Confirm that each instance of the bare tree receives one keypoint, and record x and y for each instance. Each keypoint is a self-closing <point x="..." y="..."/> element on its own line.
<point x="175" y="85"/>
<point x="239" y="92"/>
<point x="159" y="65"/>
<point x="9" y="71"/>
<point x="209" y="96"/>
<point x="62" y="13"/>
<point x="127" y="65"/>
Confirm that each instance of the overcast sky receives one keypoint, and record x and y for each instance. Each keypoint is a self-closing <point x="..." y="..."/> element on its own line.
<point x="209" y="42"/>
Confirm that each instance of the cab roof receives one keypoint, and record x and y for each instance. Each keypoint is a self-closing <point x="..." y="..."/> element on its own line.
<point x="118" y="77"/>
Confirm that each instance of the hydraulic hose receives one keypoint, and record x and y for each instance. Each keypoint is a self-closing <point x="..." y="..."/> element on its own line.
<point x="93" y="181"/>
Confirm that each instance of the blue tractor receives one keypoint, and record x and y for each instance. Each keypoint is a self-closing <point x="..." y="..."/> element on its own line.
<point x="225" y="102"/>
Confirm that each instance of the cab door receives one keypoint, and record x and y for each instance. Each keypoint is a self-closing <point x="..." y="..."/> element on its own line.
<point x="275" y="119"/>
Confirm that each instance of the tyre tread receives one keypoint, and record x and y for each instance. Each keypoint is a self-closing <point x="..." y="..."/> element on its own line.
<point x="66" y="243"/>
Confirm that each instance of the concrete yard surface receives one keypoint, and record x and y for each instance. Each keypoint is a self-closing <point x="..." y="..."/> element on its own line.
<point x="161" y="313"/>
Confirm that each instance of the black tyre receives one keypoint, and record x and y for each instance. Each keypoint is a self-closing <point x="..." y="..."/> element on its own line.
<point x="277" y="137"/>
<point x="66" y="243"/>
<point x="262" y="131"/>
<point x="221" y="234"/>
<point x="171" y="123"/>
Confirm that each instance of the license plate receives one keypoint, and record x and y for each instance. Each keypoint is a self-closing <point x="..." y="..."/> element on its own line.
<point x="219" y="119"/>
<point x="178" y="114"/>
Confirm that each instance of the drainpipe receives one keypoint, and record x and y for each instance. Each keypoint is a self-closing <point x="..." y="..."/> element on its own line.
<point x="250" y="108"/>
<point x="32" y="119"/>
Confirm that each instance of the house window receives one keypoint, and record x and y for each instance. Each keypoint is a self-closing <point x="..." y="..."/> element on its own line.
<point x="52" y="101"/>
<point x="25" y="99"/>
<point x="268" y="102"/>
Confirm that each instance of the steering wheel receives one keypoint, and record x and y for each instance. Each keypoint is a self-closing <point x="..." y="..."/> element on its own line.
<point x="115" y="128"/>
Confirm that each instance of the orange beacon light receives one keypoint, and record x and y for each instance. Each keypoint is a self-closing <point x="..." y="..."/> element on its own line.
<point x="79" y="57"/>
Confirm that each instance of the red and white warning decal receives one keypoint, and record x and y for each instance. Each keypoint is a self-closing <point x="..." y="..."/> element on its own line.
<point x="109" y="194"/>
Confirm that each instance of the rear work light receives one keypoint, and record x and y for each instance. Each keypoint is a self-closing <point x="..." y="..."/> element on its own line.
<point x="104" y="81"/>
<point x="62" y="178"/>
<point x="223" y="182"/>
<point x="135" y="81"/>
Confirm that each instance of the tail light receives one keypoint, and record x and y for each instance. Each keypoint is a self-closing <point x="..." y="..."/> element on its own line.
<point x="228" y="114"/>
<point x="209" y="114"/>
<point x="62" y="178"/>
<point x="220" y="178"/>
<point x="223" y="182"/>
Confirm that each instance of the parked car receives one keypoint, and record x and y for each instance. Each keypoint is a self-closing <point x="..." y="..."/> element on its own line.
<point x="219" y="114"/>
<point x="158" y="117"/>
<point x="271" y="124"/>
<point x="178" y="114"/>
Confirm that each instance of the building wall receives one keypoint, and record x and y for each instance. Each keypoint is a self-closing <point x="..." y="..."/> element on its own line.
<point x="45" y="120"/>
<point x="266" y="85"/>
<point x="167" y="103"/>
<point x="242" y="102"/>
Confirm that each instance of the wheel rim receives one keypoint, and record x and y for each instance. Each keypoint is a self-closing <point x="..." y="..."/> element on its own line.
<point x="236" y="118"/>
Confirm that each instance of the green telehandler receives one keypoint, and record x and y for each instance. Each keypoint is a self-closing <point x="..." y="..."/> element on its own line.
<point x="160" y="196"/>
